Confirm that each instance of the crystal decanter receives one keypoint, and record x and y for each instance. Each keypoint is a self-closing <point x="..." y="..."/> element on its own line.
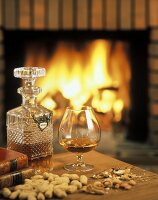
<point x="29" y="127"/>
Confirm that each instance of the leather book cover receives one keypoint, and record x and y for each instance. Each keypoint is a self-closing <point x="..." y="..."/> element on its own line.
<point x="11" y="161"/>
<point x="16" y="178"/>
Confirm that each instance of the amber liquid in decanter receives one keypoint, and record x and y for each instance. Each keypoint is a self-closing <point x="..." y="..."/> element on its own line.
<point x="29" y="127"/>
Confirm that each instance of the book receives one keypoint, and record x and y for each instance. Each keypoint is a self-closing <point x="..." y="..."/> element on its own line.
<point x="16" y="178"/>
<point x="11" y="161"/>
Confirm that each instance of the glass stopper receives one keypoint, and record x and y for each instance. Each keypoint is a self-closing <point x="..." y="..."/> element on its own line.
<point x="29" y="72"/>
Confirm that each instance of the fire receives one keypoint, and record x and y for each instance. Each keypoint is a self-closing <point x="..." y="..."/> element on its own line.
<point x="49" y="103"/>
<point x="98" y="63"/>
<point x="84" y="76"/>
<point x="117" y="107"/>
<point x="104" y="102"/>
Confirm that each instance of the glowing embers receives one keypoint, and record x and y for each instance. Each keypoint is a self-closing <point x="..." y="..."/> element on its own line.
<point x="95" y="73"/>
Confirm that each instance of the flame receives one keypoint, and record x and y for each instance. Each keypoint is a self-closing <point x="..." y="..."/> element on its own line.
<point x="118" y="107"/>
<point x="98" y="62"/>
<point x="79" y="75"/>
<point x="104" y="102"/>
<point x="49" y="103"/>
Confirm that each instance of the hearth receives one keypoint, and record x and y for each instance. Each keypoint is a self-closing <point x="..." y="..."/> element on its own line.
<point x="121" y="72"/>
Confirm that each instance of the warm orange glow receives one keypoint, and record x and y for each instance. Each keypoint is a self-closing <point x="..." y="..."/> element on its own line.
<point x="118" y="105"/>
<point x="117" y="108"/>
<point x="104" y="102"/>
<point x="79" y="76"/>
<point x="98" y="64"/>
<point x="49" y="103"/>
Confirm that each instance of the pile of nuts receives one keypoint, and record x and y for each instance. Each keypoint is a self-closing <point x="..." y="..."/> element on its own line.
<point x="115" y="179"/>
<point x="51" y="185"/>
<point x="46" y="186"/>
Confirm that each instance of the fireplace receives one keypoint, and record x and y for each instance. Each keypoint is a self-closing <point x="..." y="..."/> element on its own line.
<point x="96" y="68"/>
<point x="134" y="23"/>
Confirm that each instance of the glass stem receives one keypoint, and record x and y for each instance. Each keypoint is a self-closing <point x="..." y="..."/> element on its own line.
<point x="79" y="160"/>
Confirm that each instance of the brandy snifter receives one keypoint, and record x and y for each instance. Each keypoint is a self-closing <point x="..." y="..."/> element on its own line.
<point x="79" y="132"/>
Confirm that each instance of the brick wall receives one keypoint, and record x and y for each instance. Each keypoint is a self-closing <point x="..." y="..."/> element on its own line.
<point x="87" y="15"/>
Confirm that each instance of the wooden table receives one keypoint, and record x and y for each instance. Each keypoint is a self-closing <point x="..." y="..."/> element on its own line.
<point x="144" y="190"/>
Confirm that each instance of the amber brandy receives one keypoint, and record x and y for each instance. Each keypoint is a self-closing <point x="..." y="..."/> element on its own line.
<point x="78" y="145"/>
